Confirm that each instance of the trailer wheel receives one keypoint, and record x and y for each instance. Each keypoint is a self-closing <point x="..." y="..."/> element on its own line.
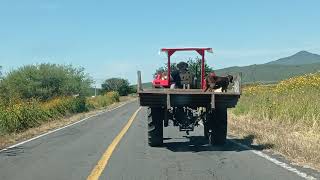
<point x="155" y="126"/>
<point x="218" y="125"/>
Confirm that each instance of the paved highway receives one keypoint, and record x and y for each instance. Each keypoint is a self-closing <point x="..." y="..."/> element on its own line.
<point x="100" y="148"/>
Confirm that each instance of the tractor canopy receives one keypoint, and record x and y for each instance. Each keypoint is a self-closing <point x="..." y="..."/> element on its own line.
<point x="165" y="82"/>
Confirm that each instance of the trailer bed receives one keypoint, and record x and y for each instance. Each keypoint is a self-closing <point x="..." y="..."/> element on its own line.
<point x="185" y="97"/>
<point x="164" y="97"/>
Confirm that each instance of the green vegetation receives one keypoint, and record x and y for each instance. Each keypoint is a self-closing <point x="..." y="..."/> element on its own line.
<point x="20" y="116"/>
<point x="286" y="115"/>
<point x="290" y="100"/>
<point x="269" y="73"/>
<point x="302" y="57"/>
<point x="0" y="73"/>
<point x="44" y="82"/>
<point x="117" y="84"/>
<point x="35" y="94"/>
<point x="103" y="100"/>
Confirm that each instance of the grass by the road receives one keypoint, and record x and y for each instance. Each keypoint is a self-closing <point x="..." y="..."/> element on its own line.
<point x="24" y="120"/>
<point x="286" y="116"/>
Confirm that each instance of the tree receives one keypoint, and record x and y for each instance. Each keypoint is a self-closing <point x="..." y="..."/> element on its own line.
<point x="0" y="73"/>
<point x="173" y="67"/>
<point x="45" y="81"/>
<point x="117" y="84"/>
<point x="195" y="67"/>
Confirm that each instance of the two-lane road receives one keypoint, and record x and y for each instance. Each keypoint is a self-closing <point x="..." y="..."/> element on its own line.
<point x="73" y="153"/>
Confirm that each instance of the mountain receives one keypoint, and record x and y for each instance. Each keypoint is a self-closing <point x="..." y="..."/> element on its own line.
<point x="269" y="73"/>
<point x="300" y="63"/>
<point x="302" y="57"/>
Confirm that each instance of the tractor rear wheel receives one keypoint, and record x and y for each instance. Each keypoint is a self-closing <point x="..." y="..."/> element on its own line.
<point x="218" y="126"/>
<point x="155" y="126"/>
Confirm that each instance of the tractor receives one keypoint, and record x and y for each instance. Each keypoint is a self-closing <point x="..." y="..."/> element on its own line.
<point x="185" y="103"/>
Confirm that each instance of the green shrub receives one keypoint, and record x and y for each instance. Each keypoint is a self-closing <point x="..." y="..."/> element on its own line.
<point x="114" y="96"/>
<point x="23" y="115"/>
<point x="44" y="82"/>
<point x="103" y="101"/>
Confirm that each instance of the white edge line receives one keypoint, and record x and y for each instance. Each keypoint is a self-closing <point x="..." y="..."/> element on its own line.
<point x="273" y="160"/>
<point x="55" y="130"/>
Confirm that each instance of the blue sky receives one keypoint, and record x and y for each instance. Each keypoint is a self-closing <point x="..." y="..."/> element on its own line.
<point x="116" y="38"/>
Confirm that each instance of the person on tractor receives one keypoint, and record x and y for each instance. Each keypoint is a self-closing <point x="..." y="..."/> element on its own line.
<point x="181" y="78"/>
<point x="175" y="78"/>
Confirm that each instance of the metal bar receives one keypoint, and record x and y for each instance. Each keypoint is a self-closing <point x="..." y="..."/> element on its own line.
<point x="213" y="103"/>
<point x="139" y="84"/>
<point x="169" y="68"/>
<point x="202" y="71"/>
<point x="168" y="102"/>
<point x="186" y="49"/>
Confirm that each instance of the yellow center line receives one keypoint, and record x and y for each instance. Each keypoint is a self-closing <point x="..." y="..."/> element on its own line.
<point x="98" y="169"/>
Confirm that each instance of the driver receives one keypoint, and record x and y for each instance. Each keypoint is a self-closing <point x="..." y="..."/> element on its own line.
<point x="176" y="78"/>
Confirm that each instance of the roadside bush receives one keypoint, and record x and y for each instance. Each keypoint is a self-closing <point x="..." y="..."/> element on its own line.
<point x="44" y="82"/>
<point x="27" y="114"/>
<point x="103" y="101"/>
<point x="21" y="116"/>
<point x="113" y="96"/>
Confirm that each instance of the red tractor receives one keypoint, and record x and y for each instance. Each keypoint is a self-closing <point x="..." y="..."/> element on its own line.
<point x="186" y="104"/>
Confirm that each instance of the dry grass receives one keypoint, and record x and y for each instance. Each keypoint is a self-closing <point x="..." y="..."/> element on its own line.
<point x="9" y="139"/>
<point x="295" y="141"/>
<point x="286" y="115"/>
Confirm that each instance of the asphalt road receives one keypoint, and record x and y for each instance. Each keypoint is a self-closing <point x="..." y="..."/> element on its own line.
<point x="73" y="152"/>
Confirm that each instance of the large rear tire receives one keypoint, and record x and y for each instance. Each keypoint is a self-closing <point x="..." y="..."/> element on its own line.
<point x="155" y="126"/>
<point x="218" y="125"/>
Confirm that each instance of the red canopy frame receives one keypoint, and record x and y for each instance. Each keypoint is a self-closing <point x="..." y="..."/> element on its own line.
<point x="201" y="51"/>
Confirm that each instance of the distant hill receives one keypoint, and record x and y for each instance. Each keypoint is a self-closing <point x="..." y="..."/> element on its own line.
<point x="269" y="73"/>
<point x="300" y="63"/>
<point x="147" y="85"/>
<point x="302" y="57"/>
